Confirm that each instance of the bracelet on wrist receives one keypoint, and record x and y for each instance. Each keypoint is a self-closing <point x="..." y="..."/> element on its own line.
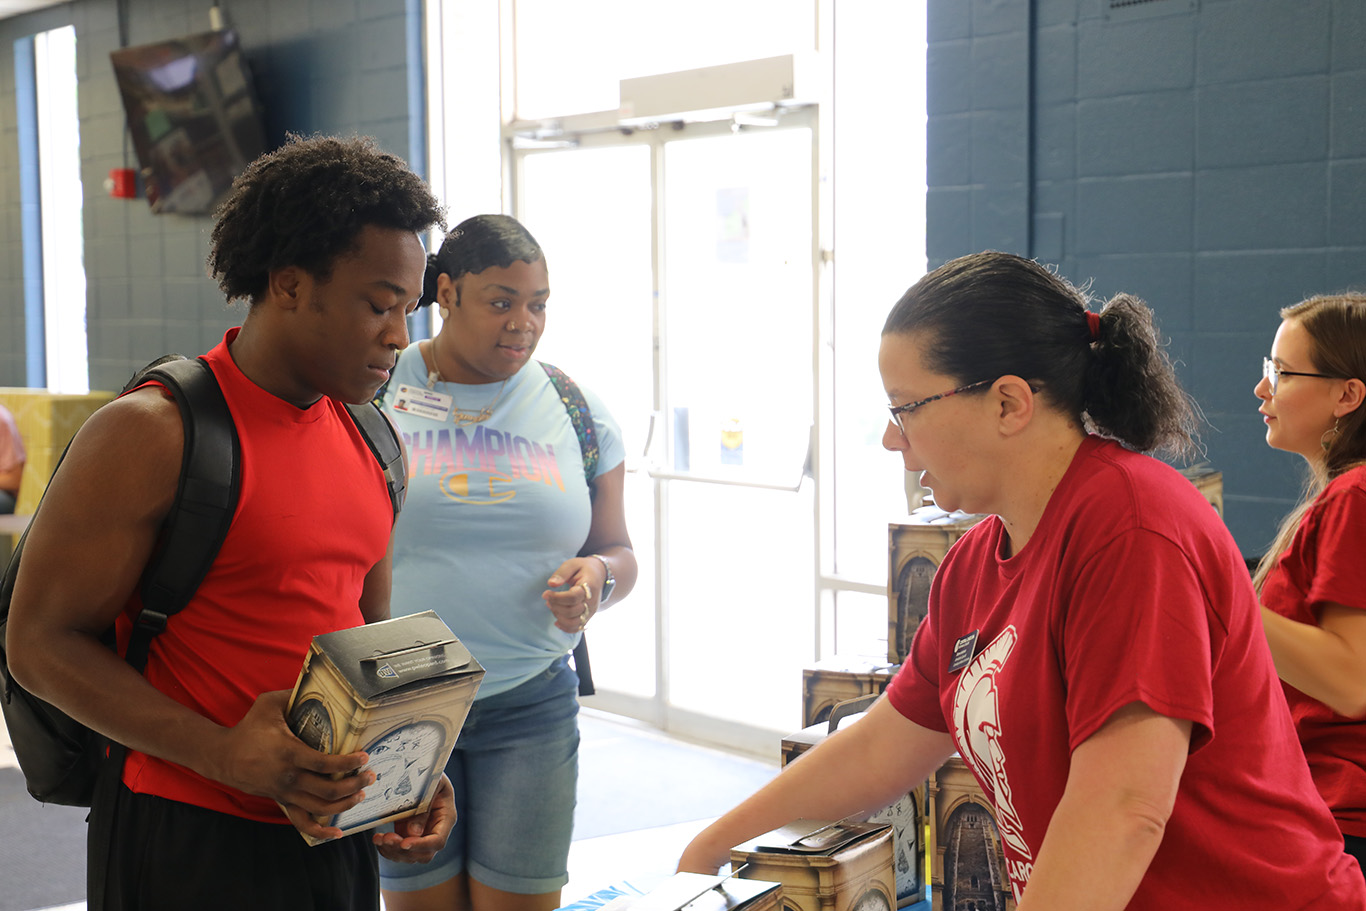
<point x="608" y="583"/>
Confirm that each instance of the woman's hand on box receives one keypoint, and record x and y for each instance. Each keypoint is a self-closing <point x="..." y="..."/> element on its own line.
<point x="416" y="840"/>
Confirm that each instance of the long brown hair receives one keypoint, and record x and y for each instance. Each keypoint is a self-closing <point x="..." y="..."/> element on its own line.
<point x="1336" y="326"/>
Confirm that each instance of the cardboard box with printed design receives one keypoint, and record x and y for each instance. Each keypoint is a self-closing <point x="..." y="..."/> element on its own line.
<point x="967" y="860"/>
<point x="906" y="815"/>
<point x="915" y="548"/>
<point x="827" y="683"/>
<point x="399" y="690"/>
<point x="824" y="866"/>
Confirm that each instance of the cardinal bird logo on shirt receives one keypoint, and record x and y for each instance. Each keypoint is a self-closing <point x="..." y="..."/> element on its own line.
<point x="977" y="731"/>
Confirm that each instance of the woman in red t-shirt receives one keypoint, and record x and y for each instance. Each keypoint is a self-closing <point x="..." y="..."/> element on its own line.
<point x="1312" y="581"/>
<point x="1093" y="648"/>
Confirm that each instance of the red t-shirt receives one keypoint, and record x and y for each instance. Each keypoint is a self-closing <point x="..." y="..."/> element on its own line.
<point x="312" y="519"/>
<point x="1324" y="564"/>
<point x="1130" y="589"/>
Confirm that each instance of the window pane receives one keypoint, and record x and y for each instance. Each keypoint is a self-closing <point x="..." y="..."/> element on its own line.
<point x="737" y="347"/>
<point x="738" y="300"/>
<point x="861" y="624"/>
<point x="590" y="211"/>
<point x="59" y="150"/>
<point x="740" y="628"/>
<point x="571" y="56"/>
<point x="880" y="241"/>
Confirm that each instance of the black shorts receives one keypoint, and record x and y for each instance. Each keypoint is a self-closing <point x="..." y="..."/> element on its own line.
<point x="167" y="855"/>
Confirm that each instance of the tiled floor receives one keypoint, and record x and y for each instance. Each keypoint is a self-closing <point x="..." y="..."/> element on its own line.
<point x="635" y="829"/>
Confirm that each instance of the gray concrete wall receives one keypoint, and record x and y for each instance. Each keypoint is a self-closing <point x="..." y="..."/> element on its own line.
<point x="328" y="66"/>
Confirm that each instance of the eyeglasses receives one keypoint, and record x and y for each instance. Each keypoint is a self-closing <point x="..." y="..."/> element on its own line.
<point x="1272" y="374"/>
<point x="899" y="410"/>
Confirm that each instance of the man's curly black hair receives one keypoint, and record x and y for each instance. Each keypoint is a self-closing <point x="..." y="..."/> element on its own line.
<point x="305" y="204"/>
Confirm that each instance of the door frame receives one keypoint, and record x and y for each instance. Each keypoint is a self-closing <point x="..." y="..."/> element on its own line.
<point x="598" y="131"/>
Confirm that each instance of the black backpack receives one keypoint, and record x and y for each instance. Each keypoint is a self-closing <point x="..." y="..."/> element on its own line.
<point x="60" y="757"/>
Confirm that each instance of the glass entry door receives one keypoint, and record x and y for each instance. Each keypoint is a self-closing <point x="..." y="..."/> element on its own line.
<point x="738" y="401"/>
<point x="590" y="209"/>
<point x="682" y="276"/>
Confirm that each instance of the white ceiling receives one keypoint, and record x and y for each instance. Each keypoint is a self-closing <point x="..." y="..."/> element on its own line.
<point x="15" y="7"/>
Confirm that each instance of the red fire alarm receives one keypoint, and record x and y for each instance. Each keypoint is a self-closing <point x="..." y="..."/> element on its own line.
<point x="122" y="183"/>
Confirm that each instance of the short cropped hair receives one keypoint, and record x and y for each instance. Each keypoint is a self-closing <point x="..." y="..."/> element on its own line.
<point x="305" y="205"/>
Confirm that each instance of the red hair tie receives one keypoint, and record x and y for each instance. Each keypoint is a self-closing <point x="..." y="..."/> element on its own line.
<point x="1093" y="324"/>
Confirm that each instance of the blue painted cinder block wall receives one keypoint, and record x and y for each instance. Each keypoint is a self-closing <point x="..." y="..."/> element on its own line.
<point x="328" y="66"/>
<point x="1206" y="155"/>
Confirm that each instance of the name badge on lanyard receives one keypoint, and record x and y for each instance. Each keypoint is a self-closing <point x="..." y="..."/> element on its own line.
<point x="424" y="403"/>
<point x="963" y="650"/>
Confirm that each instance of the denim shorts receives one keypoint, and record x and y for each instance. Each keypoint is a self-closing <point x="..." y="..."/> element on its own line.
<point x="515" y="770"/>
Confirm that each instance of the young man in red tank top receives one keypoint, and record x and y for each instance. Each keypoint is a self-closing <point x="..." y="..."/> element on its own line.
<point x="321" y="239"/>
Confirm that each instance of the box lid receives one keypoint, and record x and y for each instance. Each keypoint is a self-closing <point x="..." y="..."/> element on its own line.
<point x="694" y="892"/>
<point x="854" y="664"/>
<point x="811" y="836"/>
<point x="815" y="733"/>
<point x="380" y="657"/>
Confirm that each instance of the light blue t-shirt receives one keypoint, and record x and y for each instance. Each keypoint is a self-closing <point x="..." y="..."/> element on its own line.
<point x="493" y="508"/>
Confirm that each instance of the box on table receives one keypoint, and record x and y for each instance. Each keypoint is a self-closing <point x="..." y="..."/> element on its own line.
<point x="834" y="680"/>
<point x="400" y="691"/>
<point x="840" y="866"/>
<point x="906" y="816"/>
<point x="915" y="548"/>
<point x="967" y="862"/>
<point x="685" y="892"/>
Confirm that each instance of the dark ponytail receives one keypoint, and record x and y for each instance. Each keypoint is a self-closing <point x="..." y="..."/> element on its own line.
<point x="991" y="314"/>
<point x="1130" y="392"/>
<point x="476" y="244"/>
<point x="429" y="281"/>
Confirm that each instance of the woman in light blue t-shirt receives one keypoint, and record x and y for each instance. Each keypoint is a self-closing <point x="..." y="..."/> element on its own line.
<point x="516" y="538"/>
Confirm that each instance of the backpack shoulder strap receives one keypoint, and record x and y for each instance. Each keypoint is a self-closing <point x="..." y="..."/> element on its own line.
<point x="206" y="493"/>
<point x="582" y="419"/>
<point x="579" y="415"/>
<point x="382" y="439"/>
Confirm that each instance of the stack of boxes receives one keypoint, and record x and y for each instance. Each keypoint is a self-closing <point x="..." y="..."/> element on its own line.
<point x="948" y="819"/>
<point x="963" y="844"/>
<point x="905" y="817"/>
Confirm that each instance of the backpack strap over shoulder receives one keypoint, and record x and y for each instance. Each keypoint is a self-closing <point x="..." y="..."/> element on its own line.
<point x="206" y="493"/>
<point x="579" y="415"/>
<point x="382" y="439"/>
<point x="582" y="419"/>
<point x="64" y="761"/>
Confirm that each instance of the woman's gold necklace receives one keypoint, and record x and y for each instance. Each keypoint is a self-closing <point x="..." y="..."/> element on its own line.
<point x="461" y="418"/>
